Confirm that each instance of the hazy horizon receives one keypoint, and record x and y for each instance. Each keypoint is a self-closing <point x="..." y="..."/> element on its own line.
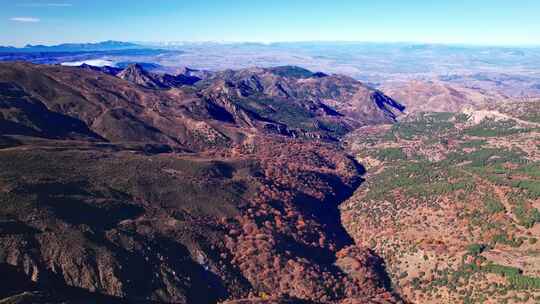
<point x="269" y="43"/>
<point x="485" y="23"/>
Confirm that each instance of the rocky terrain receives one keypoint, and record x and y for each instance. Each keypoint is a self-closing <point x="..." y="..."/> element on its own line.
<point x="223" y="109"/>
<point x="263" y="185"/>
<point x="136" y="74"/>
<point x="116" y="188"/>
<point x="451" y="203"/>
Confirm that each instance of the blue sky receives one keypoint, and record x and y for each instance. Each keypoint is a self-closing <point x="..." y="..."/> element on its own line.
<point x="501" y="22"/>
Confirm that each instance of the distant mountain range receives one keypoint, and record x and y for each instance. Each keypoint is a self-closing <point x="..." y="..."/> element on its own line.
<point x="508" y="71"/>
<point x="74" y="47"/>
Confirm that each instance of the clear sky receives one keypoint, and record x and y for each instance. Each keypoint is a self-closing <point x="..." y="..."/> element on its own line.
<point x="498" y="22"/>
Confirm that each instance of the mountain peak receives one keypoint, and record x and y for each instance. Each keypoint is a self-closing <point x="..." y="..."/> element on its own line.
<point x="291" y="71"/>
<point x="136" y="74"/>
<point x="135" y="67"/>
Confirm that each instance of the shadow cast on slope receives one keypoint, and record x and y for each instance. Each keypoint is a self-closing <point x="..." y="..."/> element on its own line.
<point x="18" y="288"/>
<point x="25" y="115"/>
<point x="328" y="214"/>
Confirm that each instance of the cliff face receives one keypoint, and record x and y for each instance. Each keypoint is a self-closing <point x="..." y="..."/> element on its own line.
<point x="113" y="191"/>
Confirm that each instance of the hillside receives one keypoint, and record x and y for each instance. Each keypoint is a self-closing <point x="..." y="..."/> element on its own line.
<point x="112" y="191"/>
<point x="438" y="96"/>
<point x="451" y="202"/>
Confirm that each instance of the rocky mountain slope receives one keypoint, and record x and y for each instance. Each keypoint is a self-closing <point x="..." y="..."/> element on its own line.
<point x="112" y="191"/>
<point x="136" y="74"/>
<point x="224" y="109"/>
<point x="452" y="202"/>
<point x="334" y="93"/>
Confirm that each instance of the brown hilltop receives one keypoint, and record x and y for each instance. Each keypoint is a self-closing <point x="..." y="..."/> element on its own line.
<point x="438" y="96"/>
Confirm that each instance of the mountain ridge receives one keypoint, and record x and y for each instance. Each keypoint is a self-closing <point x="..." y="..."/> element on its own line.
<point x="216" y="110"/>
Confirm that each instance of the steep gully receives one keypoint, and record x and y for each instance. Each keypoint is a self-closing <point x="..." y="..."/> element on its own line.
<point x="333" y="219"/>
